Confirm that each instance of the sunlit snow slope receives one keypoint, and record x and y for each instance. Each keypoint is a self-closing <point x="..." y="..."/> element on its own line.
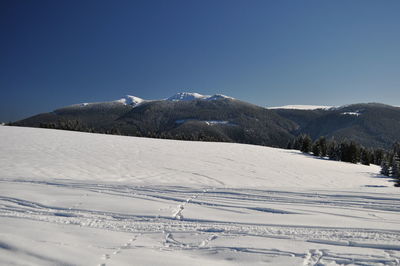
<point x="69" y="198"/>
<point x="51" y="154"/>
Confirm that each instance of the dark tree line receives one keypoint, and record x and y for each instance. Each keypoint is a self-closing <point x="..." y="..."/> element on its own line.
<point x="346" y="151"/>
<point x="390" y="165"/>
<point x="352" y="152"/>
<point x="76" y="125"/>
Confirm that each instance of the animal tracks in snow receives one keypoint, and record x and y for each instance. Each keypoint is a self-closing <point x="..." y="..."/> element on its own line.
<point x="118" y="250"/>
<point x="178" y="213"/>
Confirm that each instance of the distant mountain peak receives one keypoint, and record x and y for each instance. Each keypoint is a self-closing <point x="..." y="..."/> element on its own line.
<point x="135" y="101"/>
<point x="130" y="100"/>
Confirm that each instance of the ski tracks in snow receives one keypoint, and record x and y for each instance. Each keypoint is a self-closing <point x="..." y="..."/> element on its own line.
<point x="194" y="231"/>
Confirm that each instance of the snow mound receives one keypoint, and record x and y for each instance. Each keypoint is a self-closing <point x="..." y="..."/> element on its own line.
<point x="130" y="100"/>
<point x="302" y="107"/>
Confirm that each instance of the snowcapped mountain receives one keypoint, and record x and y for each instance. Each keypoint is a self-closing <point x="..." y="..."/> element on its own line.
<point x="181" y="116"/>
<point x="180" y="96"/>
<point x="187" y="115"/>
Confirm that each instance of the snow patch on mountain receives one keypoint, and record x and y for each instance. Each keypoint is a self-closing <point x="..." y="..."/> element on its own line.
<point x="357" y="113"/>
<point x="207" y="122"/>
<point x="186" y="96"/>
<point x="131" y="100"/>
<point x="303" y="107"/>
<point x="190" y="96"/>
<point x="218" y="97"/>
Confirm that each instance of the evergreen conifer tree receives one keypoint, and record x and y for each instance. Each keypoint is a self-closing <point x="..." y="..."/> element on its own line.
<point x="298" y="143"/>
<point x="365" y="156"/>
<point x="333" y="150"/>
<point x="385" y="168"/>
<point x="306" y="144"/>
<point x="289" y="145"/>
<point x="316" y="149"/>
<point x="396" y="167"/>
<point x="322" y="146"/>
<point x="378" y="156"/>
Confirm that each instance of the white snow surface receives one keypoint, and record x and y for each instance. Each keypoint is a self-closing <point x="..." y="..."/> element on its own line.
<point x="303" y="107"/>
<point x="130" y="100"/>
<point x="207" y="122"/>
<point x="190" y="96"/>
<point x="357" y="113"/>
<point x="71" y="198"/>
<point x="186" y="96"/>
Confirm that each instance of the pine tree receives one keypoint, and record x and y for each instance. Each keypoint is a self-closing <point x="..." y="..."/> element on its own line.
<point x="333" y="150"/>
<point x="396" y="148"/>
<point x="349" y="152"/>
<point x="323" y="146"/>
<point x="298" y="142"/>
<point x="365" y="156"/>
<point x="385" y="168"/>
<point x="378" y="156"/>
<point x="316" y="149"/>
<point x="396" y="167"/>
<point x="306" y="144"/>
<point x="289" y="145"/>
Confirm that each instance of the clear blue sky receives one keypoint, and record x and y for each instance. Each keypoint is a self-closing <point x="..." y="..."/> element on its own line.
<point x="56" y="53"/>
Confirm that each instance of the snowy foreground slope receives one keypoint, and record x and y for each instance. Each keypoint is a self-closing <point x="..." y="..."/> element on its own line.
<point x="69" y="198"/>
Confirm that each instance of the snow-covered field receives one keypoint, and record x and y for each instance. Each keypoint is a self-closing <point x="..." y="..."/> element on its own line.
<point x="69" y="198"/>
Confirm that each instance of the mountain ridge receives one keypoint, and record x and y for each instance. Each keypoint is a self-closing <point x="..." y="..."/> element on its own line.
<point x="217" y="117"/>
